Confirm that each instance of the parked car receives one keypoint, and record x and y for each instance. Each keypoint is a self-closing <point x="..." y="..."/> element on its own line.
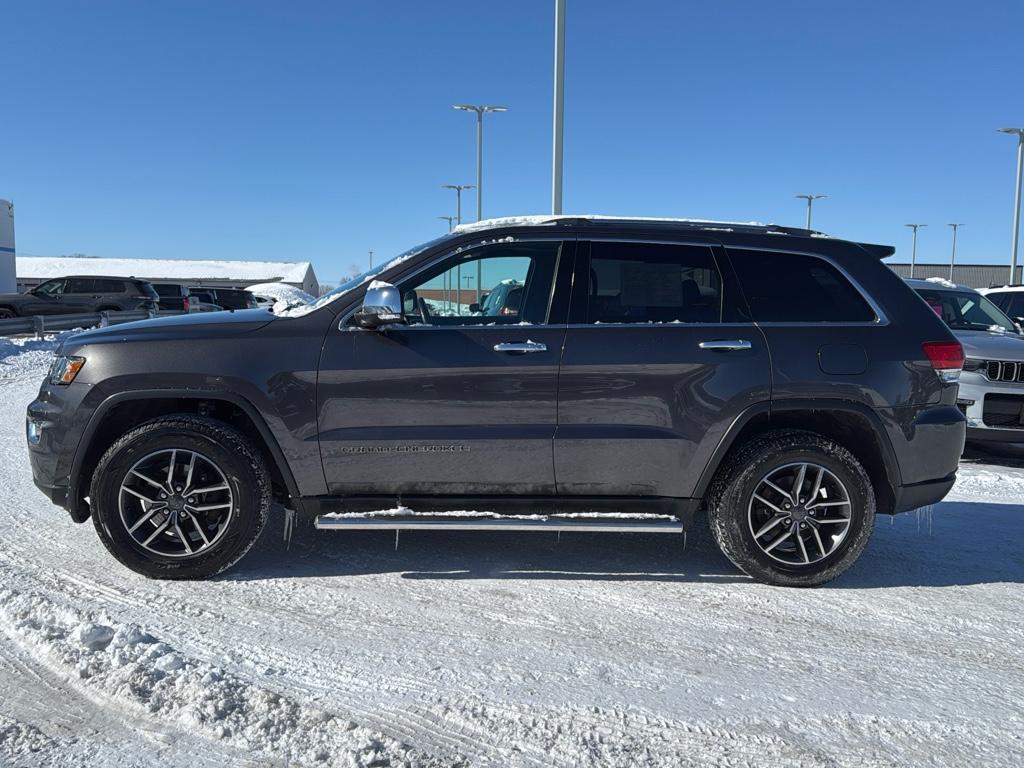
<point x="788" y="384"/>
<point x="992" y="384"/>
<point x="1009" y="299"/>
<point x="229" y="298"/>
<point x="201" y="300"/>
<point x="78" y="295"/>
<point x="173" y="296"/>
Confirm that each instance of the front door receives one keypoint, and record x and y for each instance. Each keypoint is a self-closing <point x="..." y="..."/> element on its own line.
<point x="46" y="299"/>
<point x="460" y="400"/>
<point x="659" y="361"/>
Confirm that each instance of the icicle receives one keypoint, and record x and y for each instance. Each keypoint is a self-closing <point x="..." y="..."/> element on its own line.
<point x="289" y="526"/>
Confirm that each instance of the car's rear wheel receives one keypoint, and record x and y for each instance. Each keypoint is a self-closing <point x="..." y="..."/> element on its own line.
<point x="792" y="508"/>
<point x="6" y="314"/>
<point x="181" y="497"/>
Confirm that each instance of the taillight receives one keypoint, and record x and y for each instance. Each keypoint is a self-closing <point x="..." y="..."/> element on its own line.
<point x="185" y="304"/>
<point x="946" y="357"/>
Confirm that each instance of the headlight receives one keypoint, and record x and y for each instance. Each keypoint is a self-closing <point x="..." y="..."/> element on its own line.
<point x="65" y="369"/>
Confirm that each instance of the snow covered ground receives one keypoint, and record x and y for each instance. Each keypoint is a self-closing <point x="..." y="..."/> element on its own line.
<point x="508" y="650"/>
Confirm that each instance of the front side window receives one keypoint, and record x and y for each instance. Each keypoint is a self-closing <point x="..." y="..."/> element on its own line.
<point x="796" y="288"/>
<point x="51" y="288"/>
<point x="967" y="311"/>
<point x="496" y="285"/>
<point x="653" y="283"/>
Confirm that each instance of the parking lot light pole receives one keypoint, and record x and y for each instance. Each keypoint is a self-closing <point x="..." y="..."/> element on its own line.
<point x="810" y="200"/>
<point x="1016" y="200"/>
<point x="913" y="247"/>
<point x="952" y="256"/>
<point x="558" y="110"/>
<point x="458" y="198"/>
<point x="449" y="219"/>
<point x="480" y="110"/>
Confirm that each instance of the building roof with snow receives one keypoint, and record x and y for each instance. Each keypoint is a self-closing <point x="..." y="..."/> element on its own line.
<point x="33" y="270"/>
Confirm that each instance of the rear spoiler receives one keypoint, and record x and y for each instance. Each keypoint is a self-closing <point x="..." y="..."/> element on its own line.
<point x="878" y="251"/>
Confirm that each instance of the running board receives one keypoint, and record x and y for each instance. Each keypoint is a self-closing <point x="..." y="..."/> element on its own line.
<point x="451" y="523"/>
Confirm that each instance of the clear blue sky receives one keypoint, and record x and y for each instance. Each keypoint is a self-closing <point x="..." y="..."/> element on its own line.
<point x="319" y="130"/>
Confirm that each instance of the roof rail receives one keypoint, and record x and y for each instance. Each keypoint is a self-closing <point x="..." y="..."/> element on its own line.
<point x="597" y="220"/>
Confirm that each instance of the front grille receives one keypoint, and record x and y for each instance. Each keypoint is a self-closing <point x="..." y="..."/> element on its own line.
<point x="997" y="370"/>
<point x="1003" y="411"/>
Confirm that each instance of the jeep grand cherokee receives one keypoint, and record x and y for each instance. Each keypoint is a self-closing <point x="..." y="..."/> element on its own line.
<point x="785" y="383"/>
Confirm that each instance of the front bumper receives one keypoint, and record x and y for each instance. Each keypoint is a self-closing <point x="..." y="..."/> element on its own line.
<point x="974" y="388"/>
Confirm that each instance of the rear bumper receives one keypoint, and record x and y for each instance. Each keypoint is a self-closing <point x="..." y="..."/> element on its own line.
<point x="910" y="497"/>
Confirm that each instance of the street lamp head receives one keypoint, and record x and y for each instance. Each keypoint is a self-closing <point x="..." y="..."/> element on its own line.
<point x="458" y="187"/>
<point x="810" y="197"/>
<point x="479" y="108"/>
<point x="1018" y="131"/>
<point x="915" y="226"/>
<point x="955" y="225"/>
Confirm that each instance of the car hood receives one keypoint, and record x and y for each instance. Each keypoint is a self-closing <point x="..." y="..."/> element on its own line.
<point x="988" y="345"/>
<point x="192" y="325"/>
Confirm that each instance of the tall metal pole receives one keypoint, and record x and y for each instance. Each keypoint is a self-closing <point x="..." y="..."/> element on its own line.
<point x="810" y="199"/>
<point x="458" y="198"/>
<point x="449" y="219"/>
<point x="479" y="109"/>
<point x="371" y="259"/>
<point x="559" y="109"/>
<point x="952" y="256"/>
<point x="1016" y="199"/>
<point x="913" y="248"/>
<point x="479" y="165"/>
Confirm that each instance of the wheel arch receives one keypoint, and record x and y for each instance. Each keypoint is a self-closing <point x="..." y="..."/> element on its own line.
<point x="850" y="424"/>
<point x="119" y="413"/>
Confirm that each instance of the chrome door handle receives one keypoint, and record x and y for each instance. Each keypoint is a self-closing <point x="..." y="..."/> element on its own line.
<point x="520" y="347"/>
<point x="726" y="344"/>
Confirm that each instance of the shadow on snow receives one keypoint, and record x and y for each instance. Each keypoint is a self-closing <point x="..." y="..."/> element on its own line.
<point x="956" y="544"/>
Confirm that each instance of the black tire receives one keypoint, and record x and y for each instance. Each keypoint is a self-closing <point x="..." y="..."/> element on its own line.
<point x="6" y="313"/>
<point x="731" y="492"/>
<point x="109" y="309"/>
<point x="234" y="455"/>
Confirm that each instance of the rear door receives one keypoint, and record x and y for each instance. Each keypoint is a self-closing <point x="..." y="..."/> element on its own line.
<point x="462" y="399"/>
<point x="80" y="295"/>
<point x="659" y="360"/>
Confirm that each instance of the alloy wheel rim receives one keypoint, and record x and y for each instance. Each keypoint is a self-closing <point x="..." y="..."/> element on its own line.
<point x="175" y="503"/>
<point x="799" y="513"/>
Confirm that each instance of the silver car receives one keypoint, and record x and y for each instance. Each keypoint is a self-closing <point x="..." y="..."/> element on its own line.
<point x="992" y="382"/>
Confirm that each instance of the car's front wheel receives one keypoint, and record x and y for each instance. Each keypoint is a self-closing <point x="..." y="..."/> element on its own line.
<point x="180" y="497"/>
<point x="792" y="508"/>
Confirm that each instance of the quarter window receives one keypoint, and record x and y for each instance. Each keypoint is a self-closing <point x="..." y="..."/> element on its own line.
<point x="795" y="288"/>
<point x="497" y="285"/>
<point x="653" y="283"/>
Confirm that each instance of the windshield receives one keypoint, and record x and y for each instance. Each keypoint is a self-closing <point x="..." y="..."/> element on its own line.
<point x="354" y="282"/>
<point x="967" y="311"/>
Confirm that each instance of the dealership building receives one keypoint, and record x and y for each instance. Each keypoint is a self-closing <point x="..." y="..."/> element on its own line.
<point x="33" y="270"/>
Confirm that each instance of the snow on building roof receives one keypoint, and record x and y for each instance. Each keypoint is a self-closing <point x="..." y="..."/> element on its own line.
<point x="45" y="267"/>
<point x="549" y="218"/>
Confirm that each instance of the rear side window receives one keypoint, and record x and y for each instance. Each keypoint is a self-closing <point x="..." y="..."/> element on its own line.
<point x="1015" y="306"/>
<point x="80" y="285"/>
<point x="795" y="288"/>
<point x="109" y="286"/>
<point x="653" y="283"/>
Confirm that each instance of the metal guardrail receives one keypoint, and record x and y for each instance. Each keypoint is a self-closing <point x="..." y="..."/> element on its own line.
<point x="43" y="324"/>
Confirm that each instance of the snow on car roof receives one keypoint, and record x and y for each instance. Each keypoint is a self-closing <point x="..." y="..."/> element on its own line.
<point x="548" y="218"/>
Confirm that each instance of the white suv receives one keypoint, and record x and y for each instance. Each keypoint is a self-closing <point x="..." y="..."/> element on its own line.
<point x="992" y="382"/>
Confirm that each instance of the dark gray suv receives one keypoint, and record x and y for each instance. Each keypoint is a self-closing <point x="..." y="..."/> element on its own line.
<point x="786" y="383"/>
<point x="80" y="294"/>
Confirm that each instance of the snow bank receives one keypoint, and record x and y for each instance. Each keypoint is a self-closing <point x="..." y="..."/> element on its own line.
<point x="44" y="267"/>
<point x="125" y="664"/>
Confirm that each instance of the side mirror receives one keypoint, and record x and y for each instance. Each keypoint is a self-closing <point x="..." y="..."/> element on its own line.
<point x="474" y="307"/>
<point x="1019" y="322"/>
<point x="382" y="306"/>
